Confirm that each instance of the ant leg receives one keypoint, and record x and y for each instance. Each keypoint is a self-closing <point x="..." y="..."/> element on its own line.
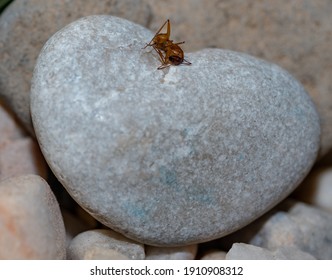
<point x="179" y="43"/>
<point x="164" y="64"/>
<point x="186" y="62"/>
<point x="168" y="33"/>
<point x="161" y="57"/>
<point x="149" y="44"/>
<point x="168" y="28"/>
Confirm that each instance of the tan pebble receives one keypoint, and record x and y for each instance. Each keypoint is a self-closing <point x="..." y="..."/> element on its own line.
<point x="102" y="243"/>
<point x="31" y="224"/>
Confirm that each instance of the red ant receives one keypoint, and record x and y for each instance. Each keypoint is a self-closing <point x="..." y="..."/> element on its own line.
<point x="170" y="53"/>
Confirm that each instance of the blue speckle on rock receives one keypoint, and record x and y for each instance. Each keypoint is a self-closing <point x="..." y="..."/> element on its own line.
<point x="168" y="177"/>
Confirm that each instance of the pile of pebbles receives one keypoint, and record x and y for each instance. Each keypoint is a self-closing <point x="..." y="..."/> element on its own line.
<point x="102" y="156"/>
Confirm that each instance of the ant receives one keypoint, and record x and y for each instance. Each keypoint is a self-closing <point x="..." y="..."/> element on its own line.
<point x="170" y="53"/>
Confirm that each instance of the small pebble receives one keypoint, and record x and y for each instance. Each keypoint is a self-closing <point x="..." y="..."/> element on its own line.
<point x="171" y="253"/>
<point x="104" y="243"/>
<point x="31" y="224"/>
<point x="241" y="251"/>
<point x="291" y="253"/>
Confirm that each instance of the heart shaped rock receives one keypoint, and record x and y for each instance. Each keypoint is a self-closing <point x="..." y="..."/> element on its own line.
<point x="175" y="156"/>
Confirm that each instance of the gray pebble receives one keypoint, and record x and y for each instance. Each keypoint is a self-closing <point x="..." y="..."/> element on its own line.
<point x="31" y="224"/>
<point x="104" y="244"/>
<point x="291" y="253"/>
<point x="154" y="154"/>
<point x="241" y="251"/>
<point x="171" y="253"/>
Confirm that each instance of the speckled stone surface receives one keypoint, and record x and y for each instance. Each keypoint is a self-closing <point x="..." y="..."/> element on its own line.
<point x="171" y="157"/>
<point x="31" y="224"/>
<point x="104" y="244"/>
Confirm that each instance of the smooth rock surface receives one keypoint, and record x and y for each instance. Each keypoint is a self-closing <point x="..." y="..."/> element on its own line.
<point x="104" y="244"/>
<point x="171" y="253"/>
<point x="316" y="189"/>
<point x="297" y="35"/>
<point x="26" y="25"/>
<point x="241" y="251"/>
<point x="307" y="228"/>
<point x="171" y="157"/>
<point x="31" y="224"/>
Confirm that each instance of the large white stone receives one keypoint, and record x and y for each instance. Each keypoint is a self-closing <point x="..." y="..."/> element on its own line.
<point x="175" y="156"/>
